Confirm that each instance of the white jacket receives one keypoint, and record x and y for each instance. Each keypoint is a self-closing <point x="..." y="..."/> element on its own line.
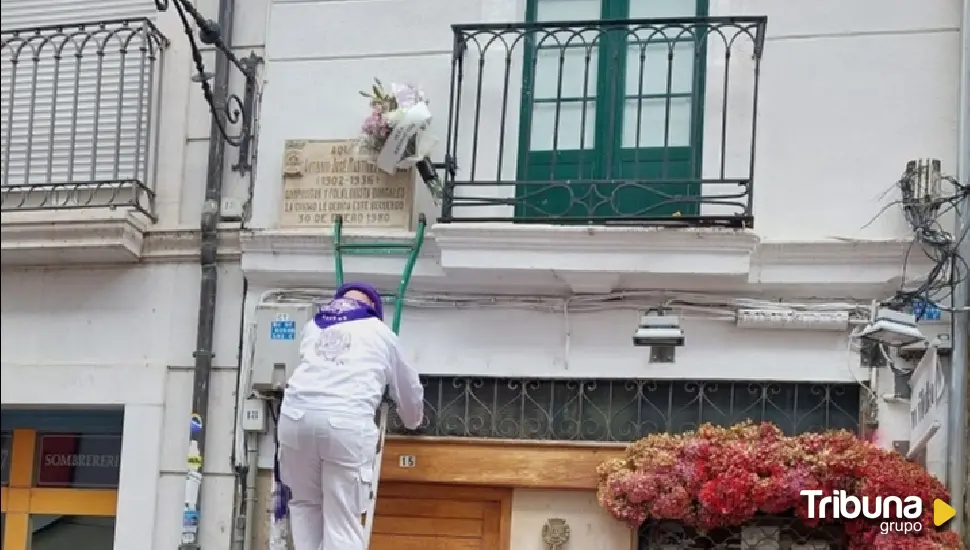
<point x="345" y="368"/>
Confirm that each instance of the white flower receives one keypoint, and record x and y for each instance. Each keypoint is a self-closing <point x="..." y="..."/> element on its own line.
<point x="406" y="96"/>
<point x="395" y="116"/>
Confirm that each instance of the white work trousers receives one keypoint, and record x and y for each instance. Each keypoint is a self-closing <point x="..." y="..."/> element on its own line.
<point x="327" y="462"/>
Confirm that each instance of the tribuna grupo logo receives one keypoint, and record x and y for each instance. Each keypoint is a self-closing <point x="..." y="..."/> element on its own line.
<point x="898" y="514"/>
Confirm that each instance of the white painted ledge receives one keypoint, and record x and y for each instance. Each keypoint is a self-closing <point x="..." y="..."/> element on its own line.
<point x="100" y="235"/>
<point x="554" y="260"/>
<point x="103" y="236"/>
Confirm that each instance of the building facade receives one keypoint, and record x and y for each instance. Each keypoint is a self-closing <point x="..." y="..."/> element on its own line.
<point x="697" y="156"/>
<point x="600" y="159"/>
<point x="105" y="141"/>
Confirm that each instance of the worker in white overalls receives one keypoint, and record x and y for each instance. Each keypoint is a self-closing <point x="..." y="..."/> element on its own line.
<point x="327" y="434"/>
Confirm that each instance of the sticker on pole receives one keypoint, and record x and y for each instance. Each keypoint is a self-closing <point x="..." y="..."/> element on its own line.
<point x="282" y="330"/>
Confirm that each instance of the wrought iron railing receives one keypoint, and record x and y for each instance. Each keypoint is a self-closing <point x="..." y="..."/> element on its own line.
<point x="767" y="532"/>
<point x="640" y="122"/>
<point x="77" y="118"/>
<point x="624" y="410"/>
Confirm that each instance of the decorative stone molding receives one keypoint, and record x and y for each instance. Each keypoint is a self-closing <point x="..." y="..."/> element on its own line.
<point x="556" y="260"/>
<point x="555" y="533"/>
<point x="72" y="237"/>
<point x="102" y="236"/>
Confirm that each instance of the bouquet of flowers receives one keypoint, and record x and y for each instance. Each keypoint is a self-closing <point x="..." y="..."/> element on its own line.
<point x="721" y="477"/>
<point x="397" y="130"/>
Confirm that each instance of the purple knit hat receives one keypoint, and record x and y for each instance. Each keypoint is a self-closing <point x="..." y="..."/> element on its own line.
<point x="366" y="289"/>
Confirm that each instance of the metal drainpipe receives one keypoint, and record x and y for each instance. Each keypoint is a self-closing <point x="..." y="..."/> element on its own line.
<point x="209" y="237"/>
<point x="957" y="468"/>
<point x="252" y="476"/>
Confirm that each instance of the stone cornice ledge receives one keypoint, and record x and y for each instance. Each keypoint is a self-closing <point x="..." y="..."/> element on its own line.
<point x="104" y="236"/>
<point x="506" y="236"/>
<point x="42" y="226"/>
<point x="181" y="244"/>
<point x="843" y="260"/>
<point x="586" y="249"/>
<point x="318" y="240"/>
<point x="72" y="236"/>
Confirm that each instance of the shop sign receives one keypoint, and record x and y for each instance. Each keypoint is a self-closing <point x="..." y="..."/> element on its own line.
<point x="7" y="442"/>
<point x="79" y="461"/>
<point x="927" y="405"/>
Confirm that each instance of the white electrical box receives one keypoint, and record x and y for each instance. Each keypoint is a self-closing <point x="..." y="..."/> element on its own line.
<point x="276" y="355"/>
<point x="254" y="415"/>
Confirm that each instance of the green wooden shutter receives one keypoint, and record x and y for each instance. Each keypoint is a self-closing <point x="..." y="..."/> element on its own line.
<point x="552" y="185"/>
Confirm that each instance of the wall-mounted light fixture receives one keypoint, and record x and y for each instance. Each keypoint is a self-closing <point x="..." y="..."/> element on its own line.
<point x="228" y="110"/>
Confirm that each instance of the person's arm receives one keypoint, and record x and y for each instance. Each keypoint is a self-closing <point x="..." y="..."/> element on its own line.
<point x="406" y="389"/>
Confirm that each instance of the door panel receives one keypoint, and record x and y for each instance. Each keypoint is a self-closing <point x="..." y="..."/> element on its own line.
<point x="438" y="526"/>
<point x="626" y="108"/>
<point x="387" y="542"/>
<point x="437" y="517"/>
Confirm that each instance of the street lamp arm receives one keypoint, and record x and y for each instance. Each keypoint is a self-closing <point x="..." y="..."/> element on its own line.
<point x="227" y="109"/>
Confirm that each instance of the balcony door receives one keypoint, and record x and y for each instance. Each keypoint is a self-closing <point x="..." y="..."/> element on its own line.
<point x="611" y="116"/>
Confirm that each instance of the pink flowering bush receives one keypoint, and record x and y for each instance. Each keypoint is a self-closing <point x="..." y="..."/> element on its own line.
<point x="723" y="477"/>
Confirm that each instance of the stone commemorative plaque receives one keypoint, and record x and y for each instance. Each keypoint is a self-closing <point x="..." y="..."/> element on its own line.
<point x="323" y="178"/>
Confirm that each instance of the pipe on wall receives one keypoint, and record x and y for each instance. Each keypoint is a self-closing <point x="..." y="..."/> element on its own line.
<point x="252" y="471"/>
<point x="957" y="467"/>
<point x="209" y="277"/>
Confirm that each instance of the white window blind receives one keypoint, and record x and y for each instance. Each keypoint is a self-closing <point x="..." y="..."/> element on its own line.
<point x="22" y="14"/>
<point x="77" y="97"/>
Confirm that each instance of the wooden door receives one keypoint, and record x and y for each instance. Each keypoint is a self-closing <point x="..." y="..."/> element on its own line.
<point x="441" y="517"/>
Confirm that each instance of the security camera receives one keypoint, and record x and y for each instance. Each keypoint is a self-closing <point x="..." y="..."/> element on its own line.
<point x="892" y="328"/>
<point x="659" y="330"/>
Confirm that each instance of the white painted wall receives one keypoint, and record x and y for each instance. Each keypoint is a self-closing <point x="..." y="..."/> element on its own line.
<point x="522" y="343"/>
<point x="848" y="94"/>
<point x="590" y="526"/>
<point x="124" y="337"/>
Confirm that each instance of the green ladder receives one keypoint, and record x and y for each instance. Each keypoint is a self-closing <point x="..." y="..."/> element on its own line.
<point x="411" y="250"/>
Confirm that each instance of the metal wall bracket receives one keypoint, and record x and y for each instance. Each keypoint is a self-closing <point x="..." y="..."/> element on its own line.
<point x="901" y="447"/>
<point x="663" y="354"/>
<point x="870" y="356"/>
<point x="227" y="109"/>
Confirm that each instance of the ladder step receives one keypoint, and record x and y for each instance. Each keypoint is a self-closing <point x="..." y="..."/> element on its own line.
<point x="376" y="249"/>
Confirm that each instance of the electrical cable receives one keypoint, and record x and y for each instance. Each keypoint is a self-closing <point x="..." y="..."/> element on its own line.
<point x="924" y="210"/>
<point x="924" y="206"/>
<point x="720" y="307"/>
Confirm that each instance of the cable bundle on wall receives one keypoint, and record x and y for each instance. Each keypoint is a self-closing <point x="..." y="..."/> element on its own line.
<point x="924" y="204"/>
<point x="710" y="305"/>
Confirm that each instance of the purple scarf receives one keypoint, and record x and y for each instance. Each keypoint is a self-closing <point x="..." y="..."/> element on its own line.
<point x="340" y="309"/>
<point x="334" y="312"/>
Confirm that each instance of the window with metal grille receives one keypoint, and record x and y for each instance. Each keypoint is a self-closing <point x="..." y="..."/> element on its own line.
<point x="624" y="410"/>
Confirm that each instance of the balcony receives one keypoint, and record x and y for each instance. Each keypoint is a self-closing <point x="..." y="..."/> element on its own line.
<point x="600" y="151"/>
<point x="77" y="111"/>
<point x="638" y="122"/>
